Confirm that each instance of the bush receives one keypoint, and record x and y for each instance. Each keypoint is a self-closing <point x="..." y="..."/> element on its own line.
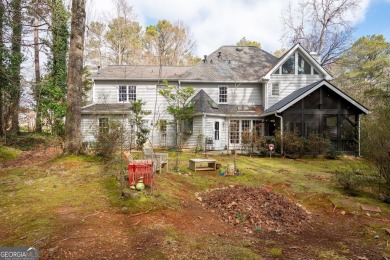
<point x="316" y="144"/>
<point x="332" y="152"/>
<point x="348" y="179"/>
<point x="293" y="143"/>
<point x="109" y="139"/>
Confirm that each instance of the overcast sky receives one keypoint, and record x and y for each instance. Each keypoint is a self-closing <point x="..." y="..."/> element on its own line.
<point x="224" y="22"/>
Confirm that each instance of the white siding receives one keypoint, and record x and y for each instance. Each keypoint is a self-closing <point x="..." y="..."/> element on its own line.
<point x="238" y="94"/>
<point x="288" y="84"/>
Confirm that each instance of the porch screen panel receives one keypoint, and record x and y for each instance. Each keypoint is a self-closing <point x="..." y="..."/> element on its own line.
<point x="329" y="126"/>
<point x="293" y="123"/>
<point x="312" y="101"/>
<point x="347" y="127"/>
<point x="311" y="124"/>
<point x="234" y="131"/>
<point x="329" y="99"/>
<point x="258" y="128"/>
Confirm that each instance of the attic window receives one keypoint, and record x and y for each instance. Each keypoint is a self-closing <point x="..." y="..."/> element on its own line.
<point x="277" y="72"/>
<point x="315" y="72"/>
<point x="289" y="66"/>
<point x="303" y="66"/>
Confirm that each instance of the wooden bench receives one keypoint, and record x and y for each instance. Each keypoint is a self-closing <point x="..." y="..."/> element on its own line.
<point x="199" y="164"/>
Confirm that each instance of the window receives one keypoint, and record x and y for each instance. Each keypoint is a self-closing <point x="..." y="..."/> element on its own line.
<point x="303" y="66"/>
<point x="289" y="66"/>
<point x="103" y="125"/>
<point x="277" y="72"/>
<point x="216" y="130"/>
<point x="223" y="94"/>
<point x="274" y="89"/>
<point x="234" y="131"/>
<point x="127" y="93"/>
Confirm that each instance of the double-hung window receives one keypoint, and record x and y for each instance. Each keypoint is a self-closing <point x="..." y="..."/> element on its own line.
<point x="275" y="89"/>
<point x="127" y="93"/>
<point x="103" y="125"/>
<point x="223" y="94"/>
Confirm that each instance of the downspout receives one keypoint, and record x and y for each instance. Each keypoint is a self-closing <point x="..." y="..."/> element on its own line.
<point x="281" y="132"/>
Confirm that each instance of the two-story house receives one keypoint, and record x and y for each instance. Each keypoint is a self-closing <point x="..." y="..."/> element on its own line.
<point x="238" y="91"/>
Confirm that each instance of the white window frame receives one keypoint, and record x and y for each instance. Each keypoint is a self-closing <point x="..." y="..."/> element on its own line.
<point x="223" y="94"/>
<point x="272" y="85"/>
<point x="98" y="123"/>
<point x="130" y="93"/>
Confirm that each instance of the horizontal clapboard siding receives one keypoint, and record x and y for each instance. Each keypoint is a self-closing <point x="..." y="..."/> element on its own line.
<point x="287" y="85"/>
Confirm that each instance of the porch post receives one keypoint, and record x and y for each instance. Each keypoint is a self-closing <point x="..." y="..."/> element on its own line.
<point x="358" y="118"/>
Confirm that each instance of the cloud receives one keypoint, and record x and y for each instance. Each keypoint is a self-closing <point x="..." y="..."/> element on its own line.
<point x="222" y="22"/>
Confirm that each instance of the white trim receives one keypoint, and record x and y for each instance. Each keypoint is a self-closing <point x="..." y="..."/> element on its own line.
<point x="219" y="94"/>
<point x="313" y="62"/>
<point x="320" y="84"/>
<point x="271" y="89"/>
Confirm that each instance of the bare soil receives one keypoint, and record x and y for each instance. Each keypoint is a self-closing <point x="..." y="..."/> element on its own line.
<point x="225" y="217"/>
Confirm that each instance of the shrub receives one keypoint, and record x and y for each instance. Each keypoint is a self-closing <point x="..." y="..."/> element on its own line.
<point x="348" y="179"/>
<point x="293" y="143"/>
<point x="316" y="144"/>
<point x="109" y="139"/>
<point x="332" y="152"/>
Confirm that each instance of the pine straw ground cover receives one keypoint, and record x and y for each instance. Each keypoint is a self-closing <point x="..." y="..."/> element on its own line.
<point x="255" y="209"/>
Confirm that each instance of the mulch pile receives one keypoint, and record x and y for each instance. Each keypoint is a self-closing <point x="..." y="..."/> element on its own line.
<point x="255" y="209"/>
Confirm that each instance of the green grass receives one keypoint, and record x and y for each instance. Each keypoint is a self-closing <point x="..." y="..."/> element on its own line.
<point x="33" y="197"/>
<point x="8" y="153"/>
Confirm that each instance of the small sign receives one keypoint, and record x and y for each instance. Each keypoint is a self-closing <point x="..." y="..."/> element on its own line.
<point x="271" y="147"/>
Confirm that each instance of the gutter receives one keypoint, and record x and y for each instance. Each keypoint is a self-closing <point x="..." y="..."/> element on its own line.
<point x="281" y="132"/>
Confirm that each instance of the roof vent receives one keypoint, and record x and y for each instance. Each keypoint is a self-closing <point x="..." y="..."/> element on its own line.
<point x="239" y="49"/>
<point x="98" y="71"/>
<point x="219" y="55"/>
<point x="205" y="58"/>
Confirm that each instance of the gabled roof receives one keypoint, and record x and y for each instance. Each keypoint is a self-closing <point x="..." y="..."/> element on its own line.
<point x="106" y="108"/>
<point x="232" y="63"/>
<point x="305" y="55"/>
<point x="204" y="104"/>
<point x="299" y="94"/>
<point x="138" y="72"/>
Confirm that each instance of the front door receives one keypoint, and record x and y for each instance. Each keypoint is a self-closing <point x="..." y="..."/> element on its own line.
<point x="217" y="134"/>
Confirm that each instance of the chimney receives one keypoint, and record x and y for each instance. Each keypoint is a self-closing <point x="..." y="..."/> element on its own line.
<point x="316" y="56"/>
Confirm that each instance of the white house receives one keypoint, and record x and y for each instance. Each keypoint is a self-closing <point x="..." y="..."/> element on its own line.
<point x="238" y="90"/>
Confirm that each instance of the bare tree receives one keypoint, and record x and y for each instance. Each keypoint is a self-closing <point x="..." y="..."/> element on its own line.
<point x="323" y="26"/>
<point x="73" y="137"/>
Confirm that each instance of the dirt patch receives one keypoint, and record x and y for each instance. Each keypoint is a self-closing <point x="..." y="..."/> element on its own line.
<point x="40" y="154"/>
<point x="255" y="209"/>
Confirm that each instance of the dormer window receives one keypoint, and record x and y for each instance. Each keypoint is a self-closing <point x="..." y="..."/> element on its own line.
<point x="303" y="66"/>
<point x="289" y="66"/>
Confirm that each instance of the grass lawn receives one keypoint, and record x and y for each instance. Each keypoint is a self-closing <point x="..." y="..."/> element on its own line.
<point x="69" y="207"/>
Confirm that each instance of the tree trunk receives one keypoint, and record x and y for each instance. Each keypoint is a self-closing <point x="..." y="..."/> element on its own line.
<point x="16" y="60"/>
<point x="37" y="91"/>
<point x="73" y="139"/>
<point x="3" y="79"/>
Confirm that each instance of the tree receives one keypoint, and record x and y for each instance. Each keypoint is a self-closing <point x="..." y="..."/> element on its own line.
<point x="245" y="42"/>
<point x="94" y="44"/>
<point x="3" y="70"/>
<point x="142" y="131"/>
<point x="123" y="39"/>
<point x="168" y="44"/>
<point x="364" y="70"/>
<point x="54" y="87"/>
<point x="73" y="139"/>
<point x="279" y="53"/>
<point x="320" y="25"/>
<point x="15" y="63"/>
<point x="179" y="108"/>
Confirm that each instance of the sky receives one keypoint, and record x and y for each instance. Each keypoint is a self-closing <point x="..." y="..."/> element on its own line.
<point x="214" y="23"/>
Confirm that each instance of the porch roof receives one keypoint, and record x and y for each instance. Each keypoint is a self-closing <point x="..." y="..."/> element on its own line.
<point x="106" y="109"/>
<point x="299" y="94"/>
<point x="204" y="104"/>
